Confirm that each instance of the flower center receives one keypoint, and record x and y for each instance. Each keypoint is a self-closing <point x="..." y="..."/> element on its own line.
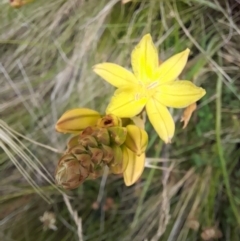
<point x="151" y="88"/>
<point x="152" y="85"/>
<point x="145" y="90"/>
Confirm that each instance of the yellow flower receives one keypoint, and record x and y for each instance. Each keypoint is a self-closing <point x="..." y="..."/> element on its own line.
<point x="151" y="86"/>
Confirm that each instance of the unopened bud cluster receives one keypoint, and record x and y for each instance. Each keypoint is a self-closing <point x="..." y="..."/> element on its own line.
<point x="105" y="143"/>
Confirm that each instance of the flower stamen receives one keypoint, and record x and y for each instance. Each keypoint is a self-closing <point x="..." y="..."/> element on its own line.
<point x="153" y="85"/>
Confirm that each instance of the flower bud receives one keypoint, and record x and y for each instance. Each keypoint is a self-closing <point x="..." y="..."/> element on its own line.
<point x="108" y="154"/>
<point x="84" y="159"/>
<point x="70" y="174"/>
<point x="88" y="131"/>
<point x="135" y="166"/>
<point x="79" y="149"/>
<point x="116" y="166"/>
<point x="102" y="135"/>
<point x="72" y="142"/>
<point x="117" y="134"/>
<point x="136" y="140"/>
<point x="73" y="121"/>
<point x="97" y="155"/>
<point x="109" y="121"/>
<point x="88" y="141"/>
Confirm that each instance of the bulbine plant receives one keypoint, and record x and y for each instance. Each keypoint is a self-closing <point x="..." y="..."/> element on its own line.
<point x="116" y="139"/>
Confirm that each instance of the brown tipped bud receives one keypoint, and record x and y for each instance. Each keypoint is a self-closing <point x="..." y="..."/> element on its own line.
<point x="77" y="149"/>
<point x="118" y="134"/>
<point x="109" y="121"/>
<point x="84" y="159"/>
<point x="102" y="135"/>
<point x="108" y="154"/>
<point x="70" y="174"/>
<point x="87" y="131"/>
<point x="72" y="142"/>
<point x="88" y="141"/>
<point x="97" y="154"/>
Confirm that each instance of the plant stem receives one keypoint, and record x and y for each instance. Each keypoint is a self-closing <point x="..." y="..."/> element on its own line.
<point x="220" y="148"/>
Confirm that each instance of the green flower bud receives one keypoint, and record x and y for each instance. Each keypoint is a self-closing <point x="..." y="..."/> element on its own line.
<point x="116" y="166"/>
<point x="117" y="134"/>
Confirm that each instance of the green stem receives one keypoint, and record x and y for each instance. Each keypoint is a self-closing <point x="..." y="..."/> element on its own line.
<point x="143" y="194"/>
<point x="220" y="149"/>
<point x="144" y="191"/>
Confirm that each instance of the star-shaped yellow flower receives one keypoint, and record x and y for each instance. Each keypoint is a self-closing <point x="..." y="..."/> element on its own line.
<point x="152" y="86"/>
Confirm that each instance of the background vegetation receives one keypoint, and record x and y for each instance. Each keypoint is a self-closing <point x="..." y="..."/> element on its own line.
<point x="190" y="189"/>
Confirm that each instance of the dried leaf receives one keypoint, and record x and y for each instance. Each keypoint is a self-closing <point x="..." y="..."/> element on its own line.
<point x="126" y="1"/>
<point x="19" y="3"/>
<point x="187" y="114"/>
<point x="211" y="233"/>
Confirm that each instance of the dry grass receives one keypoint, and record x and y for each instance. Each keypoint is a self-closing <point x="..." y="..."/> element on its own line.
<point x="47" y="50"/>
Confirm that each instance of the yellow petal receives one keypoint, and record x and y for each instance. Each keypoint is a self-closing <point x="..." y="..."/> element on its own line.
<point x="179" y="94"/>
<point x="73" y="121"/>
<point x="138" y="121"/>
<point x="115" y="74"/>
<point x="135" y="166"/>
<point x="170" y="69"/>
<point x="127" y="102"/>
<point x="187" y="114"/>
<point x="144" y="59"/>
<point x="161" y="120"/>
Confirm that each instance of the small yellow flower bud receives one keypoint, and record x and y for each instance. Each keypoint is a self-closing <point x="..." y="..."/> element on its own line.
<point x="135" y="166"/>
<point x="74" y="121"/>
<point x="137" y="139"/>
